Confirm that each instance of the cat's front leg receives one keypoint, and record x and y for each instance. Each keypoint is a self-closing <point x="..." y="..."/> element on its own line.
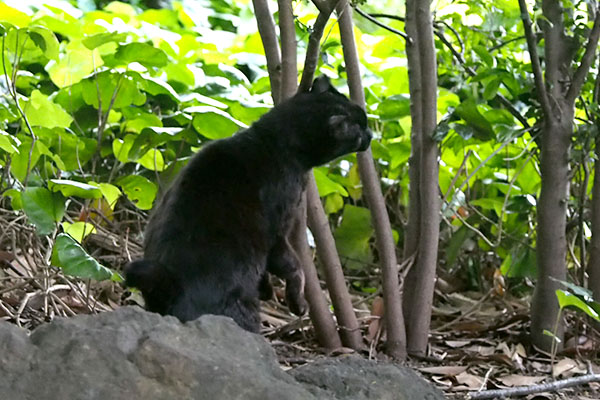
<point x="284" y="262"/>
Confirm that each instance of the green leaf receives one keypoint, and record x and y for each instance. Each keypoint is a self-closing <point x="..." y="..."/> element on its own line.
<point x="213" y="123"/>
<point x="8" y="143"/>
<point x="491" y="88"/>
<point x="74" y="188"/>
<point x="121" y="148"/>
<point x="110" y="192"/>
<point x="139" y="190"/>
<point x="41" y="111"/>
<point x="325" y="185"/>
<point x="522" y="262"/>
<point x="43" y="208"/>
<point x="455" y="244"/>
<point x="468" y="111"/>
<point x="152" y="160"/>
<point x="567" y="299"/>
<point x="394" y="107"/>
<point x="14" y="16"/>
<point x="68" y="255"/>
<point x="582" y="292"/>
<point x="333" y="203"/>
<point x="353" y="235"/>
<point x="15" y="198"/>
<point x="107" y="83"/>
<point x="45" y="40"/>
<point x="77" y="63"/>
<point x="78" y="230"/>
<point x="93" y="41"/>
<point x="145" y="54"/>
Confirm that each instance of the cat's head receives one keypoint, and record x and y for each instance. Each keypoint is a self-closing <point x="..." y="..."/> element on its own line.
<point x="326" y="124"/>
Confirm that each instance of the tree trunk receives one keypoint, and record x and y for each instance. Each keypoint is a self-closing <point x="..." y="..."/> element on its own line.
<point x="557" y="100"/>
<point x="266" y="29"/>
<point x="394" y="320"/>
<point x="552" y="222"/>
<point x="424" y="169"/>
<point x="332" y="268"/>
<point x="593" y="267"/>
<point x="325" y="328"/>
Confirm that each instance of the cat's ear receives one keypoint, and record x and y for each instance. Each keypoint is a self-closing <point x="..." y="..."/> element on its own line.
<point x="321" y="85"/>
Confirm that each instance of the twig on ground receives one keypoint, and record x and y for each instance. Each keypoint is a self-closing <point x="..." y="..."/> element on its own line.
<point x="542" y="387"/>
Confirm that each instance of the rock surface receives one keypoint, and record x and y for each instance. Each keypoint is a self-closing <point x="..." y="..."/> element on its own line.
<point x="132" y="354"/>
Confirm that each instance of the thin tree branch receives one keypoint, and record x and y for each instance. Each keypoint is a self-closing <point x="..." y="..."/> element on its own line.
<point x="535" y="60"/>
<point x="266" y="30"/>
<point x="503" y="100"/>
<point x="381" y="24"/>
<point x="525" y="390"/>
<point x="312" y="52"/>
<point x="289" y="63"/>
<point x="586" y="62"/>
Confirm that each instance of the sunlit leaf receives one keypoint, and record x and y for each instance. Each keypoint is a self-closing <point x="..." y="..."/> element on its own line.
<point x="567" y="299"/>
<point x="78" y="230"/>
<point x="142" y="53"/>
<point x="74" y="188"/>
<point x="327" y="186"/>
<point x="41" y="111"/>
<point x="139" y="190"/>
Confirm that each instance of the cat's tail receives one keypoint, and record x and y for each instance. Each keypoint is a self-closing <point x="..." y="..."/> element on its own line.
<point x="143" y="275"/>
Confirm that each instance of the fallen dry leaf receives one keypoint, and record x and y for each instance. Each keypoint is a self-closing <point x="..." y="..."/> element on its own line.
<point x="472" y="382"/>
<point x="520" y="380"/>
<point x="567" y="367"/>
<point x="446" y="370"/>
<point x="455" y="344"/>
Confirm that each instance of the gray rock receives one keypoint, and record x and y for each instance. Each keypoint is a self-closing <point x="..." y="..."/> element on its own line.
<point x="353" y="378"/>
<point x="132" y="354"/>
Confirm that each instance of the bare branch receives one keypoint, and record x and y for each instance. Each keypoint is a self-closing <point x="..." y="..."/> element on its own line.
<point x="544" y="387"/>
<point x="535" y="60"/>
<point x="381" y="24"/>
<point x="312" y="52"/>
<point x="586" y="62"/>
<point x="289" y="63"/>
<point x="332" y="268"/>
<point x="266" y="29"/>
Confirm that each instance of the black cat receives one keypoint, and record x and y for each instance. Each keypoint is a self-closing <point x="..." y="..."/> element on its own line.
<point x="226" y="219"/>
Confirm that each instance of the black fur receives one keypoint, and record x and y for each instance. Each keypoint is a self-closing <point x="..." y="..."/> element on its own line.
<point x="226" y="219"/>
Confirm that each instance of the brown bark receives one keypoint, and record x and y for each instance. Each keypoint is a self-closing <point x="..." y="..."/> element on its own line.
<point x="593" y="267"/>
<point x="394" y="320"/>
<point x="551" y="236"/>
<point x="266" y="29"/>
<point x="558" y="104"/>
<point x="289" y="61"/>
<point x="422" y="83"/>
<point x="332" y="268"/>
<point x="325" y="328"/>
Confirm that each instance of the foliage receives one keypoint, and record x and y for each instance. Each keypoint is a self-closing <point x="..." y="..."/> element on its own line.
<point x="102" y="107"/>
